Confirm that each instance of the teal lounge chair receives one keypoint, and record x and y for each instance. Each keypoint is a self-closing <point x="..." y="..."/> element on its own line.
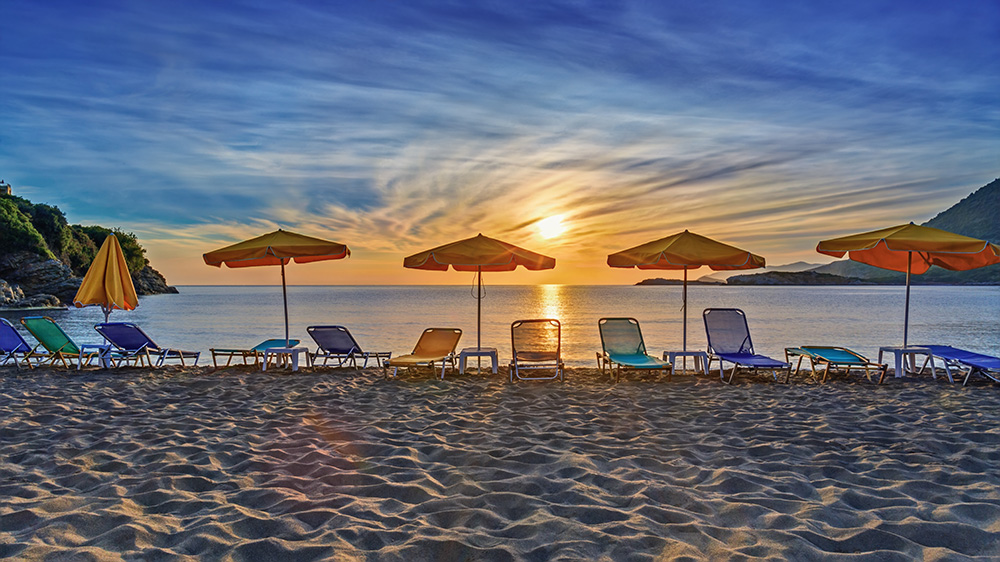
<point x="834" y="358"/>
<point x="623" y="348"/>
<point x="256" y="352"/>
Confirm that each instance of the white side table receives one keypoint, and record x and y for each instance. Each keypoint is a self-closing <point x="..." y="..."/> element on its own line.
<point x="700" y="359"/>
<point x="904" y="353"/>
<point x="284" y="354"/>
<point x="490" y="352"/>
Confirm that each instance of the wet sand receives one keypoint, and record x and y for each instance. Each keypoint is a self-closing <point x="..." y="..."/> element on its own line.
<point x="322" y="464"/>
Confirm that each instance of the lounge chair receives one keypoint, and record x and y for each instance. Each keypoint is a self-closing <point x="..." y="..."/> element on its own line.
<point x="834" y="358"/>
<point x="729" y="341"/>
<point x="968" y="361"/>
<point x="624" y="348"/>
<point x="337" y="343"/>
<point x="12" y="345"/>
<point x="133" y="344"/>
<point x="436" y="345"/>
<point x="536" y="344"/>
<point x="256" y="352"/>
<point x="54" y="345"/>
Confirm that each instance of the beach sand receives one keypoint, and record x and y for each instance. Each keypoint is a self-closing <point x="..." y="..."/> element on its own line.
<point x="139" y="464"/>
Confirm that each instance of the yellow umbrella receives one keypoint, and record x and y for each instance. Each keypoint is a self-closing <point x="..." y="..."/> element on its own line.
<point x="479" y="253"/>
<point x="685" y="250"/>
<point x="107" y="283"/>
<point x="913" y="249"/>
<point x="277" y="248"/>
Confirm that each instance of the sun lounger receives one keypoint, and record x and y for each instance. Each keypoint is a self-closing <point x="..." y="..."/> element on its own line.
<point x="536" y="345"/>
<point x="968" y="361"/>
<point x="436" y="345"/>
<point x="624" y="348"/>
<point x="256" y="352"/>
<point x="337" y="343"/>
<point x="54" y="345"/>
<point x="12" y="345"/>
<point x="134" y="345"/>
<point x="834" y="358"/>
<point x="729" y="340"/>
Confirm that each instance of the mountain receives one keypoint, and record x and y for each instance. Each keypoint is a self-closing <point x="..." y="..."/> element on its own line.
<point x="43" y="258"/>
<point x="721" y="276"/>
<point x="978" y="215"/>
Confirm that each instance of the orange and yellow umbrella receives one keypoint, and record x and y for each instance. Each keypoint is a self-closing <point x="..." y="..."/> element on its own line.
<point x="685" y="250"/>
<point x="914" y="249"/>
<point x="479" y="253"/>
<point x="107" y="283"/>
<point x="277" y="248"/>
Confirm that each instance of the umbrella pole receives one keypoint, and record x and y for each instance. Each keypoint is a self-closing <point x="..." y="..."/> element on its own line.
<point x="284" y="298"/>
<point x="906" y="313"/>
<point x="479" y="319"/>
<point x="684" y="346"/>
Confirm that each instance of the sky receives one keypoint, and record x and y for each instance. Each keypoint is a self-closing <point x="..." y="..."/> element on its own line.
<point x="573" y="129"/>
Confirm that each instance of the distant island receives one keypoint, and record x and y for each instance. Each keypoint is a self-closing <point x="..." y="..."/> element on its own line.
<point x="975" y="216"/>
<point x="43" y="258"/>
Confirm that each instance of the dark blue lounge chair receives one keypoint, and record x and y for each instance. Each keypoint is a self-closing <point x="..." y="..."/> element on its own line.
<point x="968" y="361"/>
<point x="133" y="344"/>
<point x="337" y="343"/>
<point x="12" y="345"/>
<point x="729" y="340"/>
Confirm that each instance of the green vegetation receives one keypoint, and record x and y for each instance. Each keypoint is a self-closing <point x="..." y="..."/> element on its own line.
<point x="42" y="229"/>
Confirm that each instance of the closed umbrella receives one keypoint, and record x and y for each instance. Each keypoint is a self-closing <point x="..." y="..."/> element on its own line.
<point x="914" y="249"/>
<point x="685" y="250"/>
<point x="107" y="283"/>
<point x="277" y="248"/>
<point x="479" y="253"/>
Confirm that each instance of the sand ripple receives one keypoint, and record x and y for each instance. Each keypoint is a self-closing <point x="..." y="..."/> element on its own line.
<point x="186" y="464"/>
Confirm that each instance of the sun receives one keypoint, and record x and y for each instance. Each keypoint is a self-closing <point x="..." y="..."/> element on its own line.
<point x="551" y="227"/>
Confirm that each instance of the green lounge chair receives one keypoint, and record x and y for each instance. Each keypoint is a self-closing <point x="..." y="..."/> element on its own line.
<point x="256" y="352"/>
<point x="834" y="358"/>
<point x="55" y="345"/>
<point x="624" y="348"/>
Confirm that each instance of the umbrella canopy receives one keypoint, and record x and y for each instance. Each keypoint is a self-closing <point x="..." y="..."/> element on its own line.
<point x="685" y="250"/>
<point x="277" y="248"/>
<point x="107" y="283"/>
<point x="479" y="253"/>
<point x="913" y="249"/>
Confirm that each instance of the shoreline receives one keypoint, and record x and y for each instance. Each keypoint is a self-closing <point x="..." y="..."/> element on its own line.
<point x="341" y="464"/>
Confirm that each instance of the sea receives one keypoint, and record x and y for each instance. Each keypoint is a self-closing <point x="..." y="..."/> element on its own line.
<point x="391" y="318"/>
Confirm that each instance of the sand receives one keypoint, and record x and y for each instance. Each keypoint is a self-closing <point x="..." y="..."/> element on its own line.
<point x="192" y="464"/>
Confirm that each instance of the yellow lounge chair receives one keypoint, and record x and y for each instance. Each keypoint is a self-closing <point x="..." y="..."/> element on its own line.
<point x="435" y="345"/>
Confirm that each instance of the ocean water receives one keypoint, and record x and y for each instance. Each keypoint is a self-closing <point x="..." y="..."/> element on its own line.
<point x="391" y="318"/>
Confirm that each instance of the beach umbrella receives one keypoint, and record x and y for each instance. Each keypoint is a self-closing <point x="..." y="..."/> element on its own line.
<point x="277" y="248"/>
<point x="913" y="249"/>
<point x="479" y="253"/>
<point x="685" y="250"/>
<point x="107" y="283"/>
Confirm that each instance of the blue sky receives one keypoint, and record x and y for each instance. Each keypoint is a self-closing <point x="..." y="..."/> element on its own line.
<point x="397" y="126"/>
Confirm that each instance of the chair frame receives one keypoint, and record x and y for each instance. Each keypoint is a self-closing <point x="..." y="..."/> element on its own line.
<point x="256" y="352"/>
<point x="519" y="362"/>
<point x="605" y="359"/>
<point x="343" y="358"/>
<point x="145" y="352"/>
<point x="746" y="348"/>
<point x="816" y="358"/>
<point x="446" y="361"/>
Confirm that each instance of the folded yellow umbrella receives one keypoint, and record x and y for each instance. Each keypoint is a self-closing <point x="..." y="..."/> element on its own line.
<point x="277" y="248"/>
<point x="107" y="283"/>
<point x="685" y="250"/>
<point x="914" y="249"/>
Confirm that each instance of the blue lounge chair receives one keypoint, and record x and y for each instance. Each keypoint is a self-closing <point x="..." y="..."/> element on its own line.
<point x="12" y="345"/>
<point x="337" y="343"/>
<point x="623" y="348"/>
<point x="133" y="344"/>
<point x="534" y="345"/>
<point x="968" y="361"/>
<point x="834" y="358"/>
<point x="729" y="341"/>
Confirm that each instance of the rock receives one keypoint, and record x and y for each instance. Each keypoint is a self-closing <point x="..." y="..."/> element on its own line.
<point x="38" y="301"/>
<point x="9" y="293"/>
<point x="37" y="275"/>
<point x="148" y="281"/>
